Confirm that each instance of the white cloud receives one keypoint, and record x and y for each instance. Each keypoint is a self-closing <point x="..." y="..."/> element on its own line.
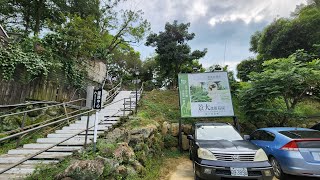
<point x="234" y="21"/>
<point x="255" y="11"/>
<point x="197" y="9"/>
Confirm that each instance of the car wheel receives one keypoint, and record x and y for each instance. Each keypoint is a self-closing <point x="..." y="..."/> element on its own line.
<point x="277" y="168"/>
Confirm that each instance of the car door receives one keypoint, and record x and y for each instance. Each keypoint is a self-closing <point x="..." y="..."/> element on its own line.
<point x="263" y="139"/>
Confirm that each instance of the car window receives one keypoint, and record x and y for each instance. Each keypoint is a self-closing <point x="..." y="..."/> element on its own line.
<point x="206" y="132"/>
<point x="267" y="136"/>
<point x="301" y="134"/>
<point x="316" y="127"/>
<point x="262" y="136"/>
<point x="255" y="135"/>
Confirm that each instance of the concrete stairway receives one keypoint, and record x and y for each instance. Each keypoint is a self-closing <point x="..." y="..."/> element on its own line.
<point x="108" y="116"/>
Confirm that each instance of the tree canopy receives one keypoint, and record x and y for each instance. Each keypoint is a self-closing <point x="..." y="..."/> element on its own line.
<point x="174" y="53"/>
<point x="71" y="33"/>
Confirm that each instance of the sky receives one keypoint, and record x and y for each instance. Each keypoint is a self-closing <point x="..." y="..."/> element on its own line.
<point x="224" y="27"/>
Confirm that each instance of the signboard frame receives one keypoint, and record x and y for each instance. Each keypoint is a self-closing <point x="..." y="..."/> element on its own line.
<point x="97" y="99"/>
<point x="180" y="100"/>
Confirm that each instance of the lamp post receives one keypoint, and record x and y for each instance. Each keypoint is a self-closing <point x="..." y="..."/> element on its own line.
<point x="136" y="86"/>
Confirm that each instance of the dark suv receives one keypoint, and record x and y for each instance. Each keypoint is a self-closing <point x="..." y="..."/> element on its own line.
<point x="218" y="151"/>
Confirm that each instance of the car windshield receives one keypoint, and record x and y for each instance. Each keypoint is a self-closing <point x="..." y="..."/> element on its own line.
<point x="207" y="132"/>
<point x="301" y="134"/>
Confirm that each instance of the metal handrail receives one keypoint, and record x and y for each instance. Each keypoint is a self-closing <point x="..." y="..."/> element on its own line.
<point x="39" y="127"/>
<point x="44" y="150"/>
<point x="119" y="84"/>
<point x="117" y="89"/>
<point x="22" y="112"/>
<point x="48" y="124"/>
<point x="113" y="95"/>
<point x="29" y="103"/>
<point x="43" y="122"/>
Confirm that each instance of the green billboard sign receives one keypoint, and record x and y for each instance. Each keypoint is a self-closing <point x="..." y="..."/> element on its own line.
<point x="205" y="95"/>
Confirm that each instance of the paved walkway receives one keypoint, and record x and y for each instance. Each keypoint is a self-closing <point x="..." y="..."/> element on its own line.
<point x="108" y="116"/>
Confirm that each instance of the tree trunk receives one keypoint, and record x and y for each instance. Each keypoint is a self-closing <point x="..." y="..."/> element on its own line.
<point x="39" y="6"/>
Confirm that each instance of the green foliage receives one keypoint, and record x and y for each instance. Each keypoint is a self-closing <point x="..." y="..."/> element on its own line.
<point x="248" y="66"/>
<point x="274" y="93"/>
<point x="199" y="95"/>
<point x="106" y="149"/>
<point x="12" y="57"/>
<point x="173" y="51"/>
<point x="170" y="141"/>
<point x="48" y="172"/>
<point x="284" y="36"/>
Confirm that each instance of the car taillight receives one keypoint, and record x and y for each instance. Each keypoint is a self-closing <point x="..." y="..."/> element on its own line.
<point x="290" y="146"/>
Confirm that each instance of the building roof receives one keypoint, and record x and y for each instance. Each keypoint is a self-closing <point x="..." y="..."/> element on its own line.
<point x="4" y="32"/>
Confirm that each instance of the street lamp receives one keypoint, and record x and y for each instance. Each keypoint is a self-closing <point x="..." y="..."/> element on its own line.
<point x="136" y="84"/>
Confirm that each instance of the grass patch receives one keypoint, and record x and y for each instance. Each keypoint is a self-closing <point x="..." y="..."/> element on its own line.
<point x="49" y="171"/>
<point x="308" y="107"/>
<point x="140" y="122"/>
<point x="163" y="106"/>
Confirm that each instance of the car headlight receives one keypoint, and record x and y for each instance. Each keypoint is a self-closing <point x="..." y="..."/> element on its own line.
<point x="260" y="156"/>
<point x="205" y="154"/>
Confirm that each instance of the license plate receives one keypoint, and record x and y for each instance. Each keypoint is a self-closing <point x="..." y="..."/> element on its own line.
<point x="239" y="171"/>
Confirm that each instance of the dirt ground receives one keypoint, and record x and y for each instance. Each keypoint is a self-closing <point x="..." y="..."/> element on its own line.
<point x="181" y="169"/>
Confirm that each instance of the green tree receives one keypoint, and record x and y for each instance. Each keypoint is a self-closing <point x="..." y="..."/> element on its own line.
<point x="30" y="15"/>
<point x="173" y="50"/>
<point x="245" y="67"/>
<point x="284" y="36"/>
<point x="273" y="94"/>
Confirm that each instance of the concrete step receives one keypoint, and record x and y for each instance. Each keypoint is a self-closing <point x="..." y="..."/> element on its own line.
<point x="77" y="131"/>
<point x="55" y="148"/>
<point x="8" y="176"/>
<point x="21" y="169"/>
<point x="73" y="141"/>
<point x="37" y="148"/>
<point x="66" y="136"/>
<point x="33" y="151"/>
<point x="11" y="159"/>
<point x="100" y="127"/>
<point x="39" y="162"/>
<point x="104" y="122"/>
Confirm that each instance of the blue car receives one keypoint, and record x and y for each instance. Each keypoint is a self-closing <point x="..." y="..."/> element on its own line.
<point x="294" y="151"/>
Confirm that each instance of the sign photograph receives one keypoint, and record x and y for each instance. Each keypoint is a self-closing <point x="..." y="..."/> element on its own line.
<point x="205" y="95"/>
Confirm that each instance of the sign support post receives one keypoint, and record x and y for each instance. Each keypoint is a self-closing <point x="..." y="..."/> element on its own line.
<point x="95" y="134"/>
<point x="97" y="101"/>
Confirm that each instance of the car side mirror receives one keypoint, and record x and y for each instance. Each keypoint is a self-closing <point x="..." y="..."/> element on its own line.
<point x="190" y="137"/>
<point x="246" y="137"/>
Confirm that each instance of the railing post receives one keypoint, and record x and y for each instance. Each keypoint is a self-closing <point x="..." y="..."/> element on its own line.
<point x="22" y="126"/>
<point x="86" y="137"/>
<point x="124" y="106"/>
<point x="65" y="111"/>
<point x="130" y="105"/>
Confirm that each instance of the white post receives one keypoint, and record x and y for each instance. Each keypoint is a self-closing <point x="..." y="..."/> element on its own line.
<point x="89" y="96"/>
<point x="95" y="134"/>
